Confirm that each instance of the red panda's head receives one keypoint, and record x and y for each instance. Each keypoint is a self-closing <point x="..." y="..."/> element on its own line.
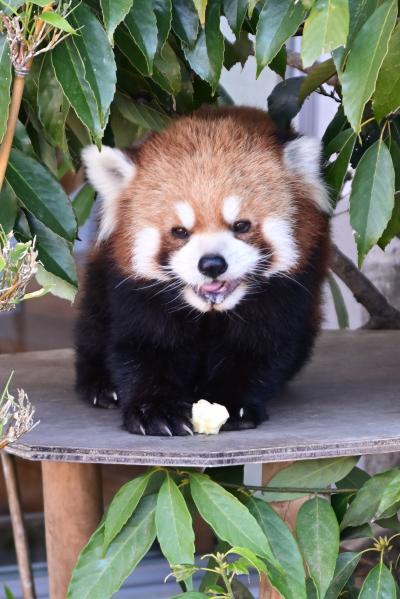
<point x="212" y="203"/>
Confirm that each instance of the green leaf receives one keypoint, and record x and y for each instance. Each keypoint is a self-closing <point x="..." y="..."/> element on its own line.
<point x="379" y="584"/>
<point x="41" y="194"/>
<point x="114" y="12"/>
<point x="142" y="25"/>
<point x="52" y="105"/>
<point x="130" y="50"/>
<point x="98" y="59"/>
<point x="70" y="72"/>
<point x="11" y="6"/>
<point x="163" y="11"/>
<point x="123" y="506"/>
<point x="83" y="202"/>
<point x="22" y="141"/>
<point x="55" y="285"/>
<point x="283" y="101"/>
<point x="340" y="306"/>
<point x="345" y="565"/>
<point x="395" y="154"/>
<point x="207" y="56"/>
<point x="387" y="91"/>
<point x="318" y="535"/>
<point x="278" y="64"/>
<point x="200" y="6"/>
<point x="124" y="132"/>
<point x="360" y="11"/>
<point x="312" y="592"/>
<point x="335" y="172"/>
<point x="57" y="21"/>
<point x="309" y="473"/>
<point x="238" y="51"/>
<point x="235" y="12"/>
<point x="372" y="197"/>
<point x="365" y="505"/>
<point x="8" y="207"/>
<point x="185" y="21"/>
<point x="355" y="479"/>
<point x="230" y="519"/>
<point x="98" y="577"/>
<point x="319" y="74"/>
<point x="240" y="591"/>
<point x="8" y="593"/>
<point x="337" y="124"/>
<point x="364" y="62"/>
<point x="388" y="504"/>
<point x="393" y="226"/>
<point x="168" y="68"/>
<point x="290" y="582"/>
<point x="54" y="252"/>
<point x="325" y="29"/>
<point x="174" y="524"/>
<point x="250" y="560"/>
<point x="278" y="21"/>
<point x="5" y="83"/>
<point x="140" y="114"/>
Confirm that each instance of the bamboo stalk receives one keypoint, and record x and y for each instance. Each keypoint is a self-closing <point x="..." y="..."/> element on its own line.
<point x="18" y="526"/>
<point x="16" y="99"/>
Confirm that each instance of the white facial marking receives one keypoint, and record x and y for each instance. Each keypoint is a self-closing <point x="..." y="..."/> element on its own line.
<point x="109" y="172"/>
<point x="278" y="232"/>
<point x="231" y="209"/>
<point x="240" y="256"/>
<point x="145" y="250"/>
<point x="185" y="214"/>
<point x="303" y="156"/>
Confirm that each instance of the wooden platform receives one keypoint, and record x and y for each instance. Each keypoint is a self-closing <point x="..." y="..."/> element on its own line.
<point x="346" y="402"/>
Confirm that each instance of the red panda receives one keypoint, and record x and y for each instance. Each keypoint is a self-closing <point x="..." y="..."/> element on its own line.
<point x="206" y="278"/>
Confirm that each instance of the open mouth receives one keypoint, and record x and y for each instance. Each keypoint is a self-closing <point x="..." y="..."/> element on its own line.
<point x="217" y="291"/>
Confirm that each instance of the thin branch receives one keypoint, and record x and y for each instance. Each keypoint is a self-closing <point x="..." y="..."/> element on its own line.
<point x="294" y="60"/>
<point x="304" y="490"/>
<point x="382" y="314"/>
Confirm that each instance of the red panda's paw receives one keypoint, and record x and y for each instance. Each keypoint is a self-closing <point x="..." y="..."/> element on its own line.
<point x="244" y="418"/>
<point x="99" y="396"/>
<point x="168" y="421"/>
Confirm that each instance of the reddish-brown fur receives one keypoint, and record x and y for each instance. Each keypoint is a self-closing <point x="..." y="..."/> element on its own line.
<point x="202" y="159"/>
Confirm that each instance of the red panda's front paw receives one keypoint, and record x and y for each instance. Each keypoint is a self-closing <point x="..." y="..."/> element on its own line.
<point x="157" y="421"/>
<point x="244" y="418"/>
<point x="99" y="396"/>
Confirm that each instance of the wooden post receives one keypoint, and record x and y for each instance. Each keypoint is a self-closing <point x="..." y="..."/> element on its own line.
<point x="73" y="508"/>
<point x="18" y="526"/>
<point x="287" y="510"/>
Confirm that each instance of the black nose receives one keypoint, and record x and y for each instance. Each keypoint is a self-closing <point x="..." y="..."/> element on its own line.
<point x="212" y="265"/>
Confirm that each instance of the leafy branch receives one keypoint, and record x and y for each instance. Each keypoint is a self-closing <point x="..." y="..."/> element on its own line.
<point x="27" y="30"/>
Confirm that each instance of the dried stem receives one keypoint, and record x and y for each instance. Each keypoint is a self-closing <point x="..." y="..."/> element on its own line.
<point x="382" y="314"/>
<point x="18" y="526"/>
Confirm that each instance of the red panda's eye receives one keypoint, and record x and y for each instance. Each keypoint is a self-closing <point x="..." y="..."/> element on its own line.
<point x="241" y="226"/>
<point x="180" y="232"/>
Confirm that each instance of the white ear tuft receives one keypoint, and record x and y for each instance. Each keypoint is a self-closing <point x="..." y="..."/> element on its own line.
<point x="303" y="156"/>
<point x="109" y="171"/>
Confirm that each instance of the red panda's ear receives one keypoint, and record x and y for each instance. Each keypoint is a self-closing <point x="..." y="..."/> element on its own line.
<point x="302" y="156"/>
<point x="109" y="171"/>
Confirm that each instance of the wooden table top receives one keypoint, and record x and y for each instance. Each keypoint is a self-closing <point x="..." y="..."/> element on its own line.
<point x="345" y="402"/>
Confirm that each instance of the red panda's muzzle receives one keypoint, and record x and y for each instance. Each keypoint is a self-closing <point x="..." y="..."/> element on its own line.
<point x="217" y="291"/>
